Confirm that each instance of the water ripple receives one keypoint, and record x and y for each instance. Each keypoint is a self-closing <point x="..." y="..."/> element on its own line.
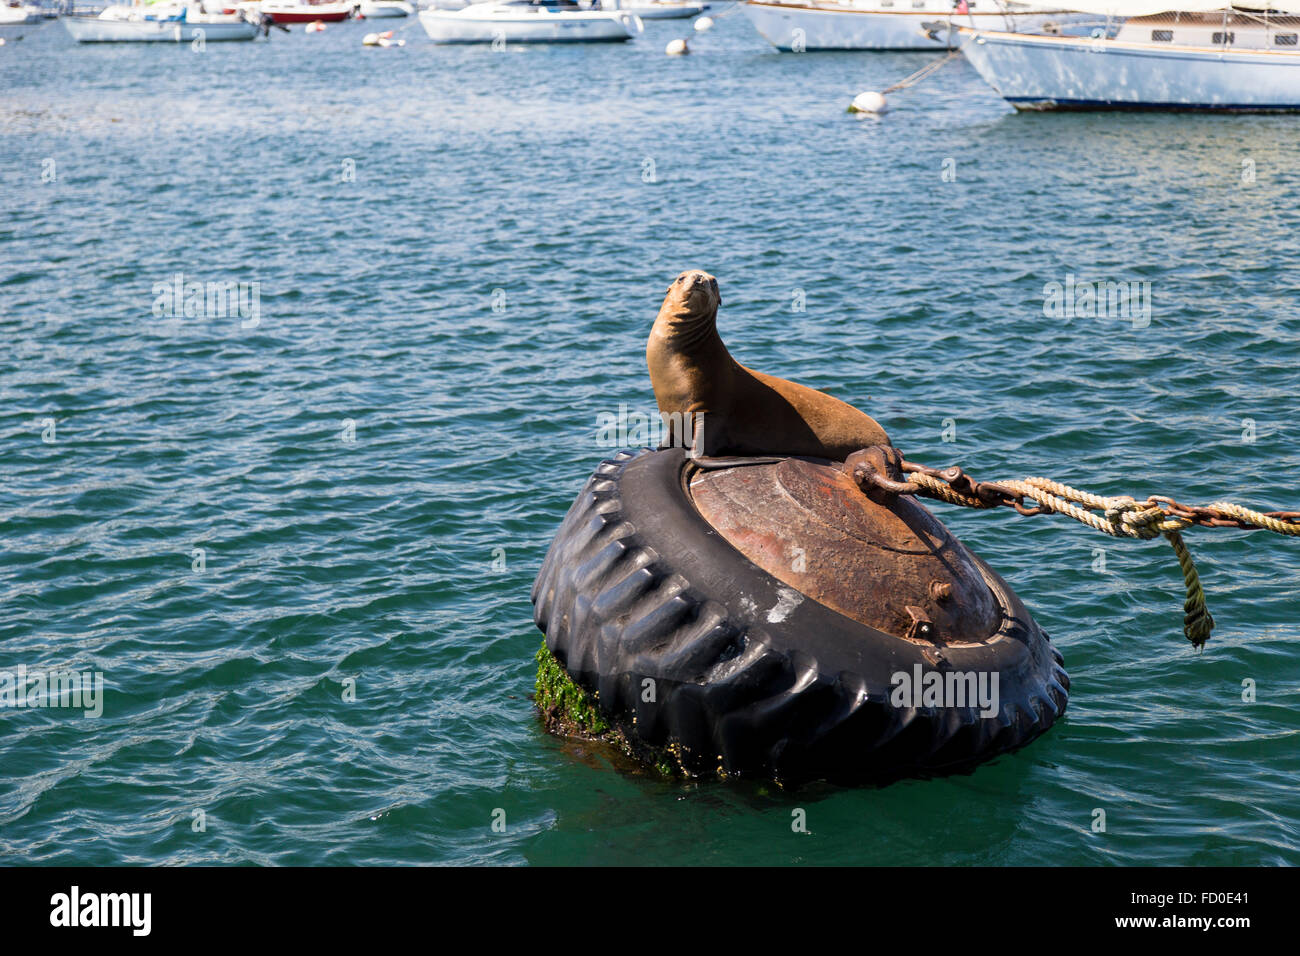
<point x="301" y="550"/>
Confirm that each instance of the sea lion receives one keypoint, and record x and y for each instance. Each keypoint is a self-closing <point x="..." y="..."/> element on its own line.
<point x="735" y="410"/>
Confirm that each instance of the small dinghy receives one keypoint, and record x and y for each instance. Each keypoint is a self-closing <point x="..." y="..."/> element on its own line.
<point x="161" y="23"/>
<point x="529" y="21"/>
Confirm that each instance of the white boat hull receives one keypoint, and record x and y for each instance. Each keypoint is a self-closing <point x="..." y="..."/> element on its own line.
<point x="540" y="26"/>
<point x="664" y="11"/>
<point x="307" y="11"/>
<point x="1065" y="73"/>
<point x="15" y="21"/>
<point x="96" y="30"/>
<point x="834" y="26"/>
<point x="385" y="11"/>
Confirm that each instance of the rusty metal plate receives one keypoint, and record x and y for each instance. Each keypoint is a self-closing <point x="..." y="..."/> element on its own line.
<point x="891" y="566"/>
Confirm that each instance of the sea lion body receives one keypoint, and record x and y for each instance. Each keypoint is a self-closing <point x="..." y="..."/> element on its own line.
<point x="736" y="410"/>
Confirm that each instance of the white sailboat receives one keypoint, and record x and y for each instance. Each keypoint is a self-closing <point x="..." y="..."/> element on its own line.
<point x="529" y="21"/>
<point x="805" y="25"/>
<point x="1168" y="55"/>
<point x="166" y="22"/>
<point x="16" y="19"/>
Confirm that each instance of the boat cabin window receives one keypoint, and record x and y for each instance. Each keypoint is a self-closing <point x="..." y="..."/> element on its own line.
<point x="1284" y="39"/>
<point x="1224" y="39"/>
<point x="1162" y="36"/>
<point x="886" y="3"/>
<point x="917" y="4"/>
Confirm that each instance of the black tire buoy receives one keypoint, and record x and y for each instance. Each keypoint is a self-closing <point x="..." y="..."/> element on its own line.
<point x="749" y="676"/>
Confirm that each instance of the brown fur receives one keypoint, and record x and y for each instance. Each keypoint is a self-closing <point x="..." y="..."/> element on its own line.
<point x="744" y="412"/>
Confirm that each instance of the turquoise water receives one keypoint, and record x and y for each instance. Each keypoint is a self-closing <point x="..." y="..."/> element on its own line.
<point x="566" y="187"/>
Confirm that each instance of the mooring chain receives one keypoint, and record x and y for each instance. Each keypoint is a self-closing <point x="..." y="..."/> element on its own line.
<point x="881" y="470"/>
<point x="1122" y="516"/>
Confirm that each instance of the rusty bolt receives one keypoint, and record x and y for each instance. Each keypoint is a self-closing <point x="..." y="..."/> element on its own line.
<point x="878" y="472"/>
<point x="921" y="627"/>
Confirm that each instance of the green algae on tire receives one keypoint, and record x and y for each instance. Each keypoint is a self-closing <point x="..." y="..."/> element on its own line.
<point x="569" y="711"/>
<point x="565" y="707"/>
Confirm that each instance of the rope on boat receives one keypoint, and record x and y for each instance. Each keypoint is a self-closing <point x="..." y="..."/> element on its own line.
<point x="922" y="73"/>
<point x="1120" y="516"/>
<point x="735" y="8"/>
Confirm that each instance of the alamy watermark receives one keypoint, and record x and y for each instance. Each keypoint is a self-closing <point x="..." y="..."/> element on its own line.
<point x="633" y="429"/>
<point x="946" y="689"/>
<point x="80" y="690"/>
<point x="129" y="910"/>
<point x="1075" y="299"/>
<point x="227" y="299"/>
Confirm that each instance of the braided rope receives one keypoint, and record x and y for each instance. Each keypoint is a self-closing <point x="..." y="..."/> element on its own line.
<point x="1121" y="517"/>
<point x="937" y="488"/>
<point x="925" y="71"/>
<point x="1197" y="621"/>
<point x="1268" y="523"/>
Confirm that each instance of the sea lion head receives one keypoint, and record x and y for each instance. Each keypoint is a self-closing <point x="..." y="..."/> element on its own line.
<point x="692" y="300"/>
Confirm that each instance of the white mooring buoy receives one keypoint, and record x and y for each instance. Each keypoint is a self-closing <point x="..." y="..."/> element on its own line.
<point x="869" y="102"/>
<point x="677" y="47"/>
<point x="381" y="39"/>
<point x="703" y="23"/>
